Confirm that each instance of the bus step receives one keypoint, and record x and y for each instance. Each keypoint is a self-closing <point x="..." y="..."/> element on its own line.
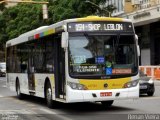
<point x="62" y="96"/>
<point x="60" y="100"/>
<point x="31" y="92"/>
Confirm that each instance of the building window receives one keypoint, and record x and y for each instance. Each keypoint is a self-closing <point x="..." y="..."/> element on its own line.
<point x="118" y="4"/>
<point x="145" y="4"/>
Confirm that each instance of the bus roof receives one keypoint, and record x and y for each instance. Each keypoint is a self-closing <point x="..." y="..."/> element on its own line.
<point x="46" y="30"/>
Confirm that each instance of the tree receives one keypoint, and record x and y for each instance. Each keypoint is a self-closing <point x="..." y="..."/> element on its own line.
<point x="22" y="18"/>
<point x="25" y="17"/>
<point x="64" y="9"/>
<point x="2" y="5"/>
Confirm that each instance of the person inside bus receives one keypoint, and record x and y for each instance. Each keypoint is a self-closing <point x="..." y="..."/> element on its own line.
<point x="109" y="61"/>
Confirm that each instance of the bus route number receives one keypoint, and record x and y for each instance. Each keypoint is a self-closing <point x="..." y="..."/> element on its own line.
<point x="89" y="27"/>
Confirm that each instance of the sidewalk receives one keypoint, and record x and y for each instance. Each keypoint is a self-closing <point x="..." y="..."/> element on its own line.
<point x="157" y="82"/>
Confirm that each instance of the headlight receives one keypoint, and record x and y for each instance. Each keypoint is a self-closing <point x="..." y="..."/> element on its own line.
<point x="151" y="81"/>
<point x="131" y="84"/>
<point x="77" y="86"/>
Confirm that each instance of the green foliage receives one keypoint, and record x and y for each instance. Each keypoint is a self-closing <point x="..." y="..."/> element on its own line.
<point x="2" y="6"/>
<point x="3" y="36"/>
<point x="25" y="17"/>
<point x="20" y="19"/>
<point x="65" y="9"/>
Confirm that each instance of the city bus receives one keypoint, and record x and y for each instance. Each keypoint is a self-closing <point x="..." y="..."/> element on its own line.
<point x="90" y="59"/>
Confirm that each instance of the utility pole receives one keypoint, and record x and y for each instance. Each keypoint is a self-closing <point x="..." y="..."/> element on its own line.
<point x="44" y="5"/>
<point x="45" y="11"/>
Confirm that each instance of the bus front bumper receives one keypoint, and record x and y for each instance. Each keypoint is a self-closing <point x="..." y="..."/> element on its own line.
<point x="101" y="95"/>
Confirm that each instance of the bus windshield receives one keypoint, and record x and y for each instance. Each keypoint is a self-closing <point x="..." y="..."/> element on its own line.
<point x="102" y="55"/>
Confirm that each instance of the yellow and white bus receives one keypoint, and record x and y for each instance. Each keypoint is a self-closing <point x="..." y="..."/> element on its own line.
<point x="76" y="60"/>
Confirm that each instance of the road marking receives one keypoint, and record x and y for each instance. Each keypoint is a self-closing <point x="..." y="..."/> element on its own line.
<point x="24" y="103"/>
<point x="3" y="81"/>
<point x="18" y="111"/>
<point x="19" y="101"/>
<point x="4" y="86"/>
<point x="15" y="110"/>
<point x="1" y="96"/>
<point x="158" y="97"/>
<point x="11" y="110"/>
<point x="56" y="114"/>
<point x="30" y="105"/>
<point x="48" y="111"/>
<point x="20" y="114"/>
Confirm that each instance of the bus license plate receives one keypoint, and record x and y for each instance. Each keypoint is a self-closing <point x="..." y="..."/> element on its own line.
<point x="103" y="94"/>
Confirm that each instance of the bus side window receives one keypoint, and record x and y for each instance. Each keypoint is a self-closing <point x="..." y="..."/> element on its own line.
<point x="24" y="68"/>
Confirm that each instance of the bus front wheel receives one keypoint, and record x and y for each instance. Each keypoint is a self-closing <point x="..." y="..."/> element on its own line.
<point x="49" y="95"/>
<point x="107" y="103"/>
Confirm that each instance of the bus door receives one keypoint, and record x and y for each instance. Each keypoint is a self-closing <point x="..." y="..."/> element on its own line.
<point x="31" y="79"/>
<point x="59" y="66"/>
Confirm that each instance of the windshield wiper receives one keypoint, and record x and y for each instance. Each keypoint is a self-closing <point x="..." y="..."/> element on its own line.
<point x="86" y="35"/>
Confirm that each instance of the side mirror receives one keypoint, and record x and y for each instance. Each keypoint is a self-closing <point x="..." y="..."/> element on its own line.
<point x="136" y="38"/>
<point x="64" y="41"/>
<point x="138" y="50"/>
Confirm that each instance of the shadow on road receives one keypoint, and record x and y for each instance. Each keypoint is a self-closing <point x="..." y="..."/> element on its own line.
<point x="75" y="108"/>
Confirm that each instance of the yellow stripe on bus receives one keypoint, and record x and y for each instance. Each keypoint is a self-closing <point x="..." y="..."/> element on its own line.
<point x="101" y="84"/>
<point x="52" y="80"/>
<point x="96" y="18"/>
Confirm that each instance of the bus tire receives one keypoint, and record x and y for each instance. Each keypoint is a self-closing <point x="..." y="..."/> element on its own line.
<point x="150" y="93"/>
<point x="18" y="90"/>
<point x="48" y="95"/>
<point x="107" y="103"/>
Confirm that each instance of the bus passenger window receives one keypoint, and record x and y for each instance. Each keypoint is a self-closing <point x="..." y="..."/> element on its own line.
<point x="24" y="67"/>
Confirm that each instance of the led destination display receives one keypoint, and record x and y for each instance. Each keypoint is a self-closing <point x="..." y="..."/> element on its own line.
<point x="100" y="27"/>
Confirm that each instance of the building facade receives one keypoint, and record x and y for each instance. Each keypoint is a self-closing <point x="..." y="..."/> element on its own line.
<point x="145" y="15"/>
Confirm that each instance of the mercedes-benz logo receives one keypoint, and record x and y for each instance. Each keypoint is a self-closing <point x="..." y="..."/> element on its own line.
<point x="105" y="85"/>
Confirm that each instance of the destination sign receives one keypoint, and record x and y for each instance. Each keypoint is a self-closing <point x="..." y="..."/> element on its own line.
<point x="100" y="27"/>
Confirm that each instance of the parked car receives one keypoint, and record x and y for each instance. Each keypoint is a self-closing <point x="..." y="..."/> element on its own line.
<point x="146" y="84"/>
<point x="2" y="69"/>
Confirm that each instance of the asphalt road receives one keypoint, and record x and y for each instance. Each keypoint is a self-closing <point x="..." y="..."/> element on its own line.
<point x="34" y="108"/>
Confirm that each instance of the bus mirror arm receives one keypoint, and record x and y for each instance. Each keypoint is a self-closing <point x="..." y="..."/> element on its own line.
<point x="64" y="41"/>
